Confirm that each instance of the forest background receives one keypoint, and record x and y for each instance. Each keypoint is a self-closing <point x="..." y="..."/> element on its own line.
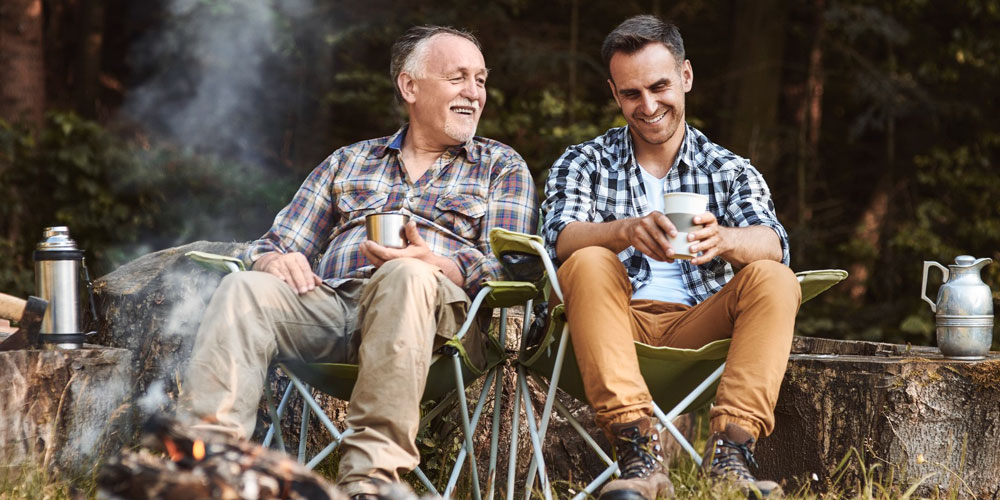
<point x="146" y="125"/>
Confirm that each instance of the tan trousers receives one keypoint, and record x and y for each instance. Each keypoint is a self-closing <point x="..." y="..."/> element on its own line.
<point x="756" y="309"/>
<point x="389" y="325"/>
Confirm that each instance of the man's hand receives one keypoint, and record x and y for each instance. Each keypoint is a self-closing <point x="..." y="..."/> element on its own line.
<point x="292" y="268"/>
<point x="650" y="234"/>
<point x="709" y="239"/>
<point x="417" y="249"/>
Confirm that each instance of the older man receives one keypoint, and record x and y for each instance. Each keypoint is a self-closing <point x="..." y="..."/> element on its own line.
<point x="385" y="309"/>
<point x="621" y="282"/>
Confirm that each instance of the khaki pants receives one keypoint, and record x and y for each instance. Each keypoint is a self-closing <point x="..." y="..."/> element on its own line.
<point x="756" y="309"/>
<point x="388" y="325"/>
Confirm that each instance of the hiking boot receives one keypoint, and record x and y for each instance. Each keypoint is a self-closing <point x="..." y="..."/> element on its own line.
<point x="728" y="458"/>
<point x="640" y="460"/>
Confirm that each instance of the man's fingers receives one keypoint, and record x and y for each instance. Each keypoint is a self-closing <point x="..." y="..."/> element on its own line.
<point x="412" y="235"/>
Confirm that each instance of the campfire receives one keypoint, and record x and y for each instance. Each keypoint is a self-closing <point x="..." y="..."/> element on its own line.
<point x="177" y="463"/>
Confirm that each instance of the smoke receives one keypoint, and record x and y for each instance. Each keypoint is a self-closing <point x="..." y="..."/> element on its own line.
<point x="206" y="80"/>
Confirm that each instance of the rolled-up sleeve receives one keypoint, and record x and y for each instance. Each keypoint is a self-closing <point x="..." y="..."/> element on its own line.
<point x="305" y="223"/>
<point x="568" y="196"/>
<point x="512" y="206"/>
<point x="750" y="205"/>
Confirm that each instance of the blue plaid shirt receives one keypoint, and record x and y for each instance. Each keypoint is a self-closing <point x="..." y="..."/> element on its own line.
<point x="469" y="190"/>
<point x="600" y="181"/>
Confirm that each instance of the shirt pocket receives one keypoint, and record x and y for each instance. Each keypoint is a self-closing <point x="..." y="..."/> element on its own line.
<point x="360" y="202"/>
<point x="463" y="213"/>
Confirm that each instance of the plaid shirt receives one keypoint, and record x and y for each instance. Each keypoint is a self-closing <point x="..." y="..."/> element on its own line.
<point x="469" y="190"/>
<point x="600" y="181"/>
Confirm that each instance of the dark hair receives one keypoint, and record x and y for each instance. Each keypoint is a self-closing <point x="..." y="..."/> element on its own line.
<point x="637" y="32"/>
<point x="407" y="47"/>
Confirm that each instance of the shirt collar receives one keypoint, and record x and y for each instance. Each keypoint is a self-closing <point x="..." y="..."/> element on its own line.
<point x="685" y="157"/>
<point x="395" y="143"/>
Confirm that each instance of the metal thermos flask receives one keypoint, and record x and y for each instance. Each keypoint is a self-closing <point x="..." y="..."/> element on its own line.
<point x="57" y="280"/>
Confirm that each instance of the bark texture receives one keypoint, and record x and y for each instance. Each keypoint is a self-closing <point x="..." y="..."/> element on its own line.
<point x="22" y="88"/>
<point x="906" y="408"/>
<point x="62" y="409"/>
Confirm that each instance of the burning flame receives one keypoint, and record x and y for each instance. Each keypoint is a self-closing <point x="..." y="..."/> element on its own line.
<point x="172" y="450"/>
<point x="198" y="449"/>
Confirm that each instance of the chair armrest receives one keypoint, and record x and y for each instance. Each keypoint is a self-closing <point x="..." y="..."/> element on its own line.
<point x="816" y="282"/>
<point x="216" y="262"/>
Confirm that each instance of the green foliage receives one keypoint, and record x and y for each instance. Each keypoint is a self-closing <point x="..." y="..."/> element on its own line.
<point x="120" y="199"/>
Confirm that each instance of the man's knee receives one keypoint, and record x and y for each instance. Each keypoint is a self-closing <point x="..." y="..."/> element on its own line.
<point x="775" y="276"/>
<point x="404" y="272"/>
<point x="588" y="259"/>
<point x="253" y="286"/>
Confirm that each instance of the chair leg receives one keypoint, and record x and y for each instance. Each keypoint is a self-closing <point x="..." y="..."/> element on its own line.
<point x="495" y="433"/>
<point x="668" y="419"/>
<point x="462" y="453"/>
<point x="514" y="433"/>
<point x="550" y="397"/>
<point x="536" y="443"/>
<point x="464" y="410"/>
<point x="275" y="414"/>
<point x="610" y="470"/>
<point x="303" y="432"/>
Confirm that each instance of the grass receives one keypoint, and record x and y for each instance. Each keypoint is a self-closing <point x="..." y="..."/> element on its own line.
<point x="31" y="481"/>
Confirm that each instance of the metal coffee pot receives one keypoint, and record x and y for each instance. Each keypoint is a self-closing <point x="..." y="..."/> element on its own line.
<point x="58" y="264"/>
<point x="964" y="308"/>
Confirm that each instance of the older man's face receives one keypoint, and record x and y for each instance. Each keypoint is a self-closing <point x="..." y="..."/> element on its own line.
<point x="451" y="91"/>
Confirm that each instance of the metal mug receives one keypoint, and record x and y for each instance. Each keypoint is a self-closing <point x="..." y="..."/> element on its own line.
<point x="387" y="229"/>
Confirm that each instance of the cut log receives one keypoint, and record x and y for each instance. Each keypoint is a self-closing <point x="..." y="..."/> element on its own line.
<point x="921" y="417"/>
<point x="62" y="409"/>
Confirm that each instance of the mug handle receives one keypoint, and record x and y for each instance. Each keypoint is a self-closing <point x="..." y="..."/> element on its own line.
<point x="923" y="286"/>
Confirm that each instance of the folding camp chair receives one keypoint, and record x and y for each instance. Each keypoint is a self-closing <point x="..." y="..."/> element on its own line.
<point x="681" y="379"/>
<point x="450" y="373"/>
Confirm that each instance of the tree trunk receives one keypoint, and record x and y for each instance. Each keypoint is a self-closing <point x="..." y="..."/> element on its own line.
<point x="753" y="88"/>
<point x="22" y="87"/>
<point x="88" y="57"/>
<point x="808" y="118"/>
<point x="908" y="409"/>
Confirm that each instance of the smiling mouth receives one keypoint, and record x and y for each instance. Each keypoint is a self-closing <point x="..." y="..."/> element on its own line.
<point x="654" y="119"/>
<point x="464" y="110"/>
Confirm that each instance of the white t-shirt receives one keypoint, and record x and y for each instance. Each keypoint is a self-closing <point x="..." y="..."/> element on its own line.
<point x="667" y="284"/>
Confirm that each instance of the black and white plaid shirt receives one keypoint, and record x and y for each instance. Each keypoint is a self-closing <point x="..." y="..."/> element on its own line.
<point x="600" y="181"/>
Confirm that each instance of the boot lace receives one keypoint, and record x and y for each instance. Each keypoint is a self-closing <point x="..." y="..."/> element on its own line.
<point x="733" y="459"/>
<point x="638" y="454"/>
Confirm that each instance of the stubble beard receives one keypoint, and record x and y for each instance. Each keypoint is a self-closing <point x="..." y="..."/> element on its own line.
<point x="460" y="132"/>
<point x="674" y="123"/>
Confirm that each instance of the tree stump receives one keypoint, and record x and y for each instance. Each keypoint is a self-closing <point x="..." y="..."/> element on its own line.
<point x="921" y="417"/>
<point x="61" y="409"/>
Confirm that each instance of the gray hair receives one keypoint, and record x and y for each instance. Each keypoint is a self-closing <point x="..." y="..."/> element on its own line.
<point x="637" y="32"/>
<point x="407" y="54"/>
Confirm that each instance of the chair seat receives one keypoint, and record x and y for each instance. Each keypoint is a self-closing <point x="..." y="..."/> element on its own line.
<point x="670" y="373"/>
<point x="337" y="379"/>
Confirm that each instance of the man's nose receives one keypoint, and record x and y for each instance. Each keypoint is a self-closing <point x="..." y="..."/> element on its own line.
<point x="648" y="105"/>
<point x="471" y="90"/>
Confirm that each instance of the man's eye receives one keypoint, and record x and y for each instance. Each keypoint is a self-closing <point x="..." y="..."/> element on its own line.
<point x="481" y="82"/>
<point x="457" y="79"/>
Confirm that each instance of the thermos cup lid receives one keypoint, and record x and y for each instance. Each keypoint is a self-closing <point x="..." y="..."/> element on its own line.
<point x="56" y="238"/>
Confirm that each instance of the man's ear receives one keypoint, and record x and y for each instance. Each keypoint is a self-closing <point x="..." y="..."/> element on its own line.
<point x="687" y="75"/>
<point x="614" y="91"/>
<point x="407" y="87"/>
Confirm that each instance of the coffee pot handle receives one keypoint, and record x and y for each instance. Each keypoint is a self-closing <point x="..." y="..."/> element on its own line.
<point x="923" y="286"/>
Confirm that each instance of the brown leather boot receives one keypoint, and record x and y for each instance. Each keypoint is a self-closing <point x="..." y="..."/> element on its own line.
<point x="729" y="456"/>
<point x="640" y="460"/>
